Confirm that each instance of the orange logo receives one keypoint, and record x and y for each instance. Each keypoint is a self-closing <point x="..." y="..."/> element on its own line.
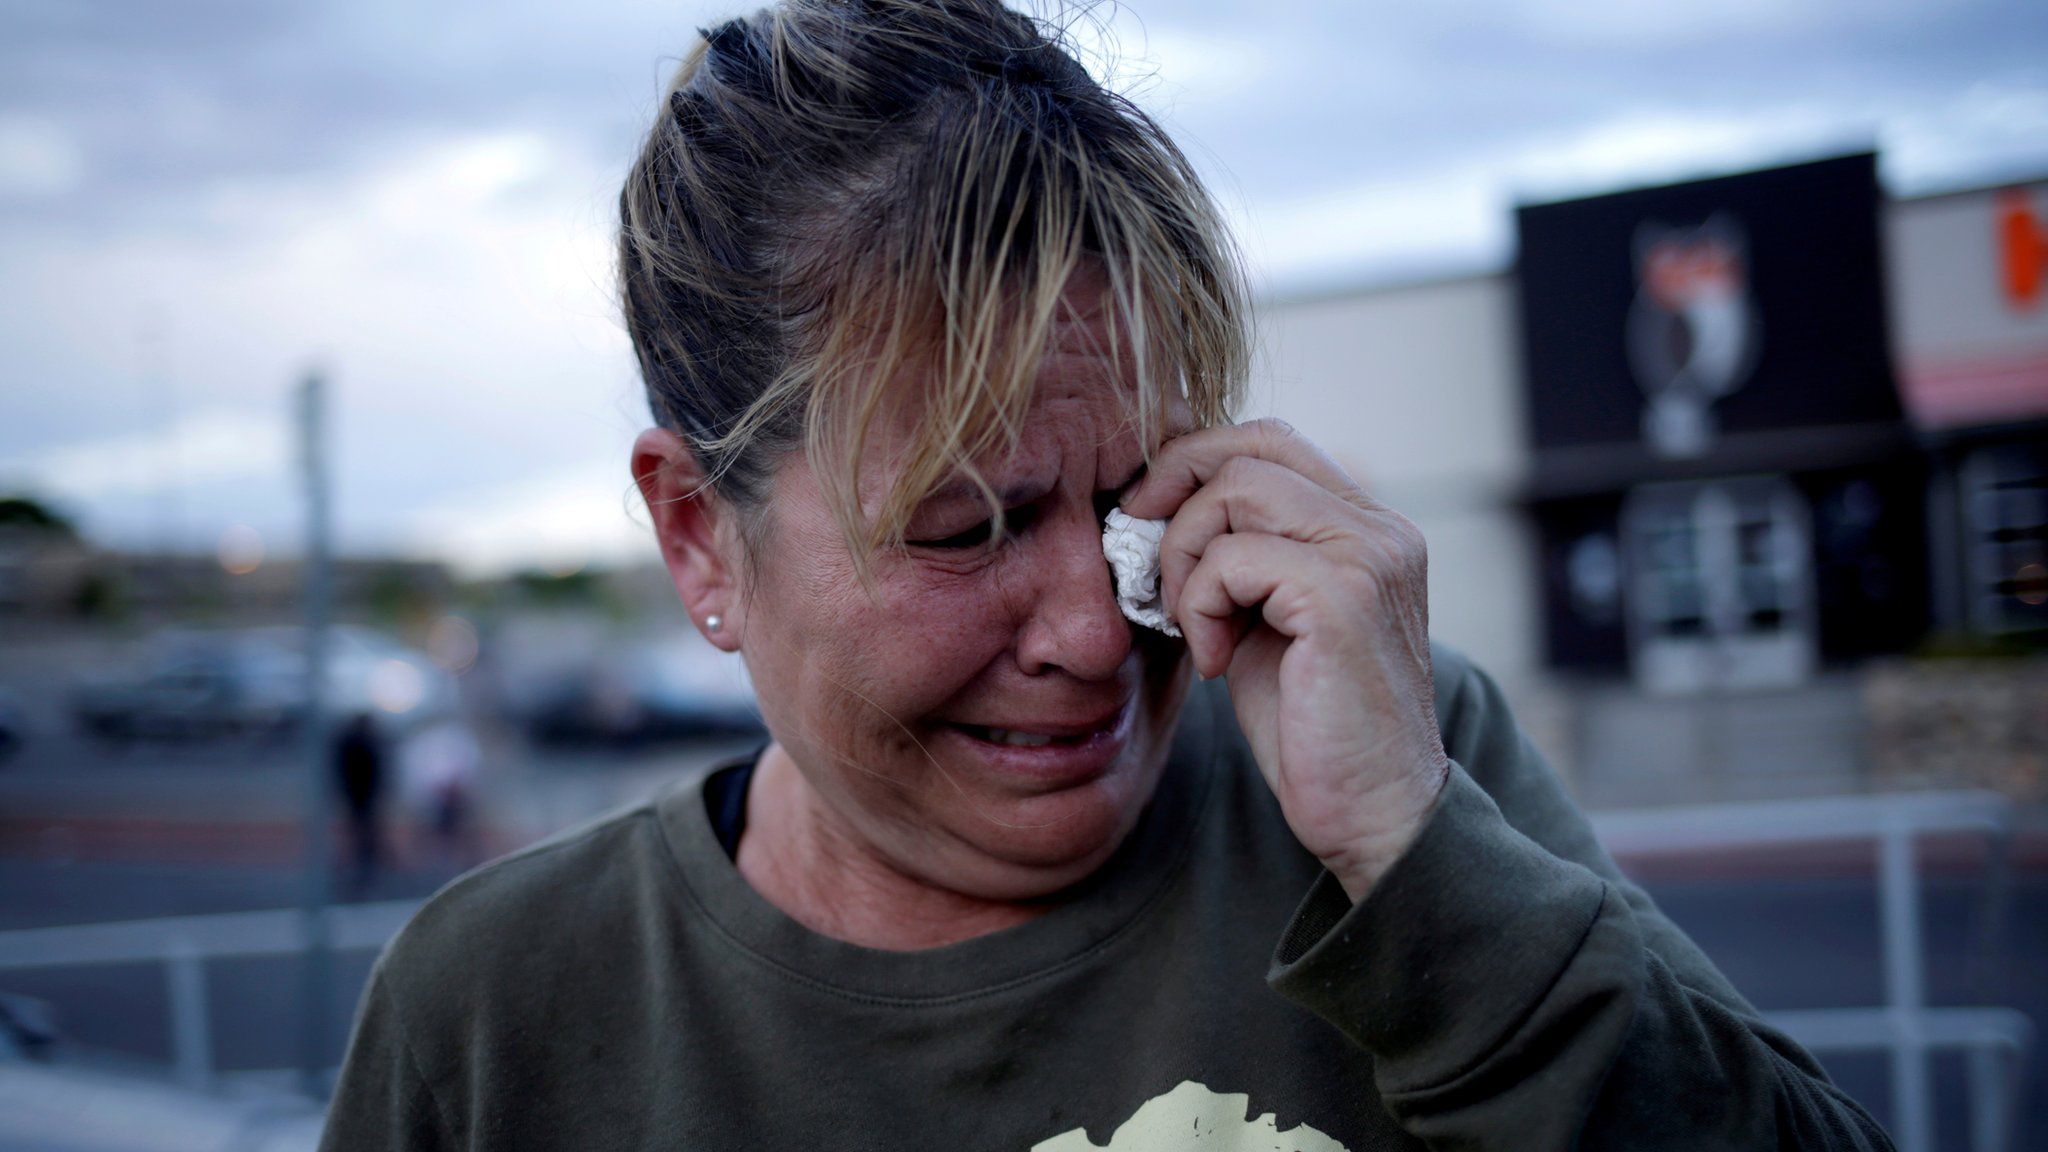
<point x="2022" y="248"/>
<point x="1693" y="331"/>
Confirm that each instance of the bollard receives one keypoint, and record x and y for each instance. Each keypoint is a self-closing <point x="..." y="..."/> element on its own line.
<point x="191" y="1019"/>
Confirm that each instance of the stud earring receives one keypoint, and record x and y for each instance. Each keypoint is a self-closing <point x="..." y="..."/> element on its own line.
<point x="711" y="623"/>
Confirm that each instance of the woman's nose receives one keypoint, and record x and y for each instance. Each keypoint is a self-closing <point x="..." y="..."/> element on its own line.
<point x="1073" y="623"/>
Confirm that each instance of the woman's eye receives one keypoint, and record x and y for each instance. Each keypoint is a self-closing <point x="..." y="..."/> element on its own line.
<point x="1015" y="520"/>
<point x="974" y="537"/>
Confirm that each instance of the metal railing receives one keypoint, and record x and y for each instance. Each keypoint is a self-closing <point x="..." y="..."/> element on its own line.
<point x="1996" y="1041"/>
<point x="183" y="945"/>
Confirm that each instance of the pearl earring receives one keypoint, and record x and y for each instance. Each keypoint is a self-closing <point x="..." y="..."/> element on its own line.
<point x="711" y="623"/>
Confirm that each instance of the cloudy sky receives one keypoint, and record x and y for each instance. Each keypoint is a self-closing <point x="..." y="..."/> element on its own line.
<point x="201" y="200"/>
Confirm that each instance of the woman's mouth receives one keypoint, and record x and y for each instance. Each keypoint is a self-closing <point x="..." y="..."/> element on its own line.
<point x="1043" y="753"/>
<point x="1016" y="738"/>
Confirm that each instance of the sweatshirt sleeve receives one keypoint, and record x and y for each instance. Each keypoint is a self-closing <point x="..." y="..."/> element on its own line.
<point x="1516" y="992"/>
<point x="383" y="1100"/>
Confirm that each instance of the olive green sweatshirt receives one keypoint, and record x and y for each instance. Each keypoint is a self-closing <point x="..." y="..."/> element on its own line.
<point x="1210" y="987"/>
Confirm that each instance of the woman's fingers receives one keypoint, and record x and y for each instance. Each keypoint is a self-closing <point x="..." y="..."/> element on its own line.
<point x="1247" y="494"/>
<point x="1239" y="572"/>
<point x="1185" y="463"/>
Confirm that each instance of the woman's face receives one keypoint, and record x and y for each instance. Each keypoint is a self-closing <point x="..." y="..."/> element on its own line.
<point x="986" y="720"/>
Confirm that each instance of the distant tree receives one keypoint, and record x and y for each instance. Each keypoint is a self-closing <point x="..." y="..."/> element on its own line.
<point x="100" y="596"/>
<point x="27" y="512"/>
<point x="579" y="587"/>
<point x="401" y="598"/>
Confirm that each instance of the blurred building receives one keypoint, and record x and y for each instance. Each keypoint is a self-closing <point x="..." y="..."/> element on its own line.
<point x="53" y="580"/>
<point x="1707" y="456"/>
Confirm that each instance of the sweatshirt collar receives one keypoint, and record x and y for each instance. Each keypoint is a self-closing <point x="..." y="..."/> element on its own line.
<point x="1089" y="919"/>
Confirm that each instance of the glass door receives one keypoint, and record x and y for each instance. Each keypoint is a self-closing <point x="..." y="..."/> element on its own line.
<point x="1720" y="585"/>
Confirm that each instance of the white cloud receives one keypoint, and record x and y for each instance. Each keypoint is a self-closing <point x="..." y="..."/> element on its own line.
<point x="460" y="293"/>
<point x="451" y="258"/>
<point x="1655" y="146"/>
<point x="1165" y="66"/>
<point x="1991" y="130"/>
<point x="586" y="514"/>
<point x="1391" y="227"/>
<point x="1456" y="216"/>
<point x="38" y="159"/>
<point x="443" y="184"/>
<point x="203" y="448"/>
<point x="1624" y="24"/>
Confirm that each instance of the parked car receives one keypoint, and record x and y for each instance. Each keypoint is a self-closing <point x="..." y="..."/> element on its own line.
<point x="643" y="694"/>
<point x="195" y="684"/>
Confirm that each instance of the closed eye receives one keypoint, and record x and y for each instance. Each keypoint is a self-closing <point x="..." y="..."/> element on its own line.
<point x="1014" y="520"/>
<point x="974" y="537"/>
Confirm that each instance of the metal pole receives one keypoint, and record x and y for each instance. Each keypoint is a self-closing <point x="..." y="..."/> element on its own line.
<point x="191" y="1019"/>
<point x="1988" y="1107"/>
<point x="1905" y="991"/>
<point x="1988" y="955"/>
<point x="316" y="969"/>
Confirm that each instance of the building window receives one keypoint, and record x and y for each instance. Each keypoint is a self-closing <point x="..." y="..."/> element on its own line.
<point x="1719" y="585"/>
<point x="2005" y="516"/>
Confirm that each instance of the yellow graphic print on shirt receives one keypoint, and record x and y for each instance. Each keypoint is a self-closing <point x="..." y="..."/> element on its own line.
<point x="1193" y="1117"/>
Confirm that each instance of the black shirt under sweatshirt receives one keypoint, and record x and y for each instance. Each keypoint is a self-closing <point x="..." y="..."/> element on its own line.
<point x="1209" y="988"/>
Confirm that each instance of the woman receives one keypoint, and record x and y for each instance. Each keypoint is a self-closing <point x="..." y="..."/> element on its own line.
<point x="917" y="303"/>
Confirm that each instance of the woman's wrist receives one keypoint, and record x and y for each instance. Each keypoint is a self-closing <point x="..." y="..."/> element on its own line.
<point x="1364" y="858"/>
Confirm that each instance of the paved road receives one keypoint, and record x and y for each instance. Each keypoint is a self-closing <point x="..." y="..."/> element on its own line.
<point x="1812" y="942"/>
<point x="68" y="782"/>
<point x="1787" y="943"/>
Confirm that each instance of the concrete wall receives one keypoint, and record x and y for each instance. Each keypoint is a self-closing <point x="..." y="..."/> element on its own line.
<point x="1966" y="349"/>
<point x="1417" y="390"/>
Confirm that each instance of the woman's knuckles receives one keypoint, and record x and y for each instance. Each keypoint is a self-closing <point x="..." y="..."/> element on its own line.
<point x="1313" y="598"/>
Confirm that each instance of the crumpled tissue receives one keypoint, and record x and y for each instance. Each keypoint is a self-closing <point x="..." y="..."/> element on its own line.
<point x="1132" y="548"/>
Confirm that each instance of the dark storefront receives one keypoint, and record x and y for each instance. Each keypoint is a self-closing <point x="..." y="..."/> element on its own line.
<point x="1727" y="491"/>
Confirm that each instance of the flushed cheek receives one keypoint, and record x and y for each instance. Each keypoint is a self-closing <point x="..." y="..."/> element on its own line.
<point x="952" y="626"/>
<point x="905" y="660"/>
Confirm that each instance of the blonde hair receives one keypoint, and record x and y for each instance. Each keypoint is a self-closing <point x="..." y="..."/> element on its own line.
<point x="848" y="205"/>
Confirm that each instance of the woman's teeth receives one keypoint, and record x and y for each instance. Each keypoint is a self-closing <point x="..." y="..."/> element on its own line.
<point x="1013" y="738"/>
<point x="1019" y="739"/>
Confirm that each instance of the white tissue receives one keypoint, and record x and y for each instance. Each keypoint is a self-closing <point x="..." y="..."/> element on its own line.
<point x="1132" y="548"/>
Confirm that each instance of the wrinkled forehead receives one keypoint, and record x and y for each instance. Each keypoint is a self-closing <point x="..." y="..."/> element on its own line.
<point x="1076" y="434"/>
<point x="1087" y="394"/>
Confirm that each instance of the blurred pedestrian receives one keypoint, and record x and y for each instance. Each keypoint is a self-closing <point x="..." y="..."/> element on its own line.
<point x="359" y="770"/>
<point x="437" y="773"/>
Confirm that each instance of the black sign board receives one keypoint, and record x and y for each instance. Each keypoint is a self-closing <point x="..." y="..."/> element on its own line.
<point x="1666" y="329"/>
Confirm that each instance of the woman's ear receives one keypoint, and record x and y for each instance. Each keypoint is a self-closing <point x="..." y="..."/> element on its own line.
<point x="687" y="517"/>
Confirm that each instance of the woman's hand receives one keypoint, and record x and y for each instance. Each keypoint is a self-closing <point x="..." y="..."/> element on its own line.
<point x="1313" y="598"/>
